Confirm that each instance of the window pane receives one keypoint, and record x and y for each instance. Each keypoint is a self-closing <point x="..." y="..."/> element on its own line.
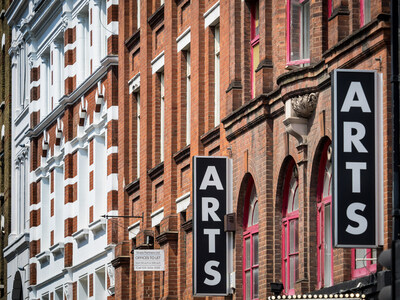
<point x="255" y="249"/>
<point x="294" y="236"/>
<point x="247" y="253"/>
<point x="292" y="271"/>
<point x="367" y="11"/>
<point x="305" y="31"/>
<point x="295" y="15"/>
<point x="257" y="20"/>
<point x="255" y="283"/>
<point x="255" y="214"/>
<point x="248" y="285"/>
<point x="328" y="248"/>
<point x="360" y="256"/>
<point x="327" y="180"/>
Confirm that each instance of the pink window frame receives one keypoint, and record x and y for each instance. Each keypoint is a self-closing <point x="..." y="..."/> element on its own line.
<point x="321" y="203"/>
<point x="286" y="218"/>
<point x="370" y="267"/>
<point x="330" y="8"/>
<point x="248" y="232"/>
<point x="290" y="62"/>
<point x="362" y="21"/>
<point x="254" y="40"/>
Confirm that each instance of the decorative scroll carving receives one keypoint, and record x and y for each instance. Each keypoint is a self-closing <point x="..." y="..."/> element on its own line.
<point x="305" y="105"/>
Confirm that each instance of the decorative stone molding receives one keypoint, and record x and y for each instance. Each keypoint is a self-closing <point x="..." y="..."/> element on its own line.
<point x="59" y="131"/>
<point x="82" y="111"/>
<point x="45" y="144"/>
<point x="101" y="90"/>
<point x="305" y="105"/>
<point x="68" y="291"/>
<point x="111" y="277"/>
<point x="297" y="110"/>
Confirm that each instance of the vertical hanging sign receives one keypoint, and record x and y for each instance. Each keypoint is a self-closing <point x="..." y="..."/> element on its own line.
<point x="356" y="155"/>
<point x="211" y="195"/>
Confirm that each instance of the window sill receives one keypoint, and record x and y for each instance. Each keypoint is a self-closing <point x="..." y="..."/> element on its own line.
<point x="98" y="225"/>
<point x="43" y="256"/>
<point x="57" y="249"/>
<point x="81" y="235"/>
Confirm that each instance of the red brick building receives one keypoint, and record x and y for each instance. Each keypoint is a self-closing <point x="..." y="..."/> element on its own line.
<point x="229" y="78"/>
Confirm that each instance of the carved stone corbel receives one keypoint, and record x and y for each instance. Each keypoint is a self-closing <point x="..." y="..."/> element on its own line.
<point x="297" y="110"/>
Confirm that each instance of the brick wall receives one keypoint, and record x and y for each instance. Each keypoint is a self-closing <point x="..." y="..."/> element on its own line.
<point x="252" y="132"/>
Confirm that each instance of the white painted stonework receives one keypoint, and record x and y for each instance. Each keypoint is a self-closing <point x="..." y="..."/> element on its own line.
<point x="37" y="40"/>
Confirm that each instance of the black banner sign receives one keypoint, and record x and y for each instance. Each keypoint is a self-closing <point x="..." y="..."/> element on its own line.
<point x="355" y="172"/>
<point x="210" y="242"/>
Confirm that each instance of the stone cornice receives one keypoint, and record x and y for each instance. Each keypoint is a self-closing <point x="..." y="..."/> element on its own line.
<point x="133" y="40"/>
<point x="133" y="187"/>
<point x="187" y="226"/>
<point x="166" y="237"/>
<point x="120" y="261"/>
<point x="156" y="171"/>
<point x="210" y="136"/>
<point x="182" y="154"/>
<point x="157" y="17"/>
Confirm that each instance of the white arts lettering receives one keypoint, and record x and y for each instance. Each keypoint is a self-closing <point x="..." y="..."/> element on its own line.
<point x="211" y="178"/>
<point x="207" y="210"/>
<point x="353" y="216"/>
<point x="356" y="168"/>
<point x="211" y="238"/>
<point x="208" y="269"/>
<point x="355" y="91"/>
<point x="353" y="139"/>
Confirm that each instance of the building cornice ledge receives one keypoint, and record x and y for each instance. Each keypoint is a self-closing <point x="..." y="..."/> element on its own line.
<point x="133" y="187"/>
<point x="166" y="237"/>
<point x="156" y="171"/>
<point x="67" y="100"/>
<point x="120" y="261"/>
<point x="157" y="17"/>
<point x="210" y="136"/>
<point x="182" y="154"/>
<point x="17" y="246"/>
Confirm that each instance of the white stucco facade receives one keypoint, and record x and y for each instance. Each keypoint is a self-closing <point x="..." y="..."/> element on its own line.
<point x="39" y="43"/>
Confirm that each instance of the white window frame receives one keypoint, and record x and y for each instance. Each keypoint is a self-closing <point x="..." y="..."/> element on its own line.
<point x="217" y="76"/>
<point x="188" y="96"/>
<point x="162" y="116"/>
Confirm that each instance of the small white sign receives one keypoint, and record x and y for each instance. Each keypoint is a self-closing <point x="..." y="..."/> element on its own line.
<point x="149" y="260"/>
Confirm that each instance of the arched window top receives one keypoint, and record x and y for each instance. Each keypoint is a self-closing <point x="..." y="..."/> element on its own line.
<point x="291" y="193"/>
<point x="327" y="189"/>
<point x="253" y="208"/>
<point x="325" y="174"/>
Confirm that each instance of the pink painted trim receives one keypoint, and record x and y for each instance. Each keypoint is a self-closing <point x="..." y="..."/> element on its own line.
<point x="321" y="203"/>
<point x="248" y="233"/>
<point x="288" y="31"/>
<point x="255" y="39"/>
<point x="247" y="202"/>
<point x="362" y="21"/>
<point x="290" y="62"/>
<point x="286" y="218"/>
<point x="370" y="268"/>
<point x="330" y="8"/>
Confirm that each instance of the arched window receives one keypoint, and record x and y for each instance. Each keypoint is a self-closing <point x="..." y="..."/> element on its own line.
<point x="290" y="230"/>
<point x="250" y="243"/>
<point x="324" y="220"/>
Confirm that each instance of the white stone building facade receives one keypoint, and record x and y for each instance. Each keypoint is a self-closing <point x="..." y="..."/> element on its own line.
<point x="64" y="151"/>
